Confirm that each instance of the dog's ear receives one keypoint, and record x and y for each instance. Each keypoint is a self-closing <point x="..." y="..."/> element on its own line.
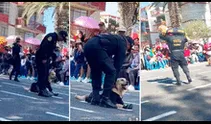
<point x="117" y="82"/>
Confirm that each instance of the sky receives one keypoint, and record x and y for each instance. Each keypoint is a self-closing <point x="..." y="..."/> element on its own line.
<point x="143" y="4"/>
<point x="49" y="20"/>
<point x="111" y="8"/>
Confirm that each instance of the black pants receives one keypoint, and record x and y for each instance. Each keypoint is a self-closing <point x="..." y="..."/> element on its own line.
<point x="29" y="70"/>
<point x="133" y="74"/>
<point x="58" y="75"/>
<point x="43" y="73"/>
<point x="16" y="69"/>
<point x="175" y="66"/>
<point x="100" y="62"/>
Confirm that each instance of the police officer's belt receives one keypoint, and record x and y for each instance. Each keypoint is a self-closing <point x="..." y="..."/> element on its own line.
<point x="178" y="50"/>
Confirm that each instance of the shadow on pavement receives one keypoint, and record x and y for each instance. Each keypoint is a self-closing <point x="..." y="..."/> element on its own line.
<point x="190" y="106"/>
<point x="162" y="80"/>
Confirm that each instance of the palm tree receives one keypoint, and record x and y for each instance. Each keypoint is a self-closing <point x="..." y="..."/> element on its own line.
<point x="174" y="11"/>
<point x="61" y="12"/>
<point x="128" y="14"/>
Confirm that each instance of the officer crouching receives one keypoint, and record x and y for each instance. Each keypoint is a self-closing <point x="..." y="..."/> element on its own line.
<point x="105" y="53"/>
<point x="176" y="40"/>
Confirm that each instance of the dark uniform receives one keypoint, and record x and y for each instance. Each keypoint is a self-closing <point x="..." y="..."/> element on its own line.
<point x="44" y="53"/>
<point x="16" y="49"/>
<point x="99" y="51"/>
<point x="176" y="40"/>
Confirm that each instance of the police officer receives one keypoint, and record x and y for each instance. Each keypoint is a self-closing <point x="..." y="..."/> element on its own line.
<point x="43" y="55"/>
<point x="16" y="49"/>
<point x="104" y="53"/>
<point x="176" y="40"/>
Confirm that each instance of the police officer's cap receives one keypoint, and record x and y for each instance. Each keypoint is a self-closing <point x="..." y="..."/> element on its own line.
<point x="18" y="38"/>
<point x="64" y="35"/>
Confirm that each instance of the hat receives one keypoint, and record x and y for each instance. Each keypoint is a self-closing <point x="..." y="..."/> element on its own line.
<point x="101" y="24"/>
<point x="122" y="29"/>
<point x="18" y="38"/>
<point x="64" y="35"/>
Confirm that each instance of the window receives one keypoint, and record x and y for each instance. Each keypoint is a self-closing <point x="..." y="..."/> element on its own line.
<point x="4" y="31"/>
<point x="4" y="7"/>
<point x="75" y="13"/>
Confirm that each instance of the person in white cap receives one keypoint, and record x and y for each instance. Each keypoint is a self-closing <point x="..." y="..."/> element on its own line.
<point x="130" y="42"/>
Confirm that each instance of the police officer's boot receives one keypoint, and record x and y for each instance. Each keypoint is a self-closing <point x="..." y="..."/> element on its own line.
<point x="106" y="102"/>
<point x="178" y="82"/>
<point x="44" y="93"/>
<point x="96" y="98"/>
<point x="189" y="79"/>
<point x="53" y="94"/>
<point x="89" y="98"/>
<point x="16" y="79"/>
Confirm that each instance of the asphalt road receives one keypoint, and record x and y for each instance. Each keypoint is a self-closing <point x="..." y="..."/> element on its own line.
<point x="162" y="100"/>
<point x="18" y="104"/>
<point x="82" y="111"/>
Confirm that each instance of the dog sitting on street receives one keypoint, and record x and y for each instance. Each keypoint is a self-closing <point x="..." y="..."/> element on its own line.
<point x="52" y="76"/>
<point x="116" y="95"/>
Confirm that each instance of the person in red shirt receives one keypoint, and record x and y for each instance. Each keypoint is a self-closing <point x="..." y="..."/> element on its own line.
<point x="187" y="54"/>
<point x="207" y="51"/>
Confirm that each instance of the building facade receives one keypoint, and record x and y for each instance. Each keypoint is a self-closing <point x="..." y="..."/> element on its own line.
<point x="12" y="23"/>
<point x="189" y="11"/>
<point x="105" y="17"/>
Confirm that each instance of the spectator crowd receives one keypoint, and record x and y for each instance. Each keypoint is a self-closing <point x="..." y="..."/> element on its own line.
<point x="157" y="56"/>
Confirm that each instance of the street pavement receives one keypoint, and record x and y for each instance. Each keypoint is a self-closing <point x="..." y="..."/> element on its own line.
<point x="18" y="104"/>
<point x="82" y="111"/>
<point x="162" y="100"/>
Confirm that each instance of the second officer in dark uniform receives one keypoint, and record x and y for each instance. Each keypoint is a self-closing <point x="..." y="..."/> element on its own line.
<point x="43" y="55"/>
<point x="16" y="49"/>
<point x="104" y="53"/>
<point x="176" y="40"/>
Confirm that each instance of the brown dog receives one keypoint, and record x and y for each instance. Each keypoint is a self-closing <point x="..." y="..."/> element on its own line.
<point x="117" y="93"/>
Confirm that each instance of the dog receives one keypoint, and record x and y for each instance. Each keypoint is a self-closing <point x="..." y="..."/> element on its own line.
<point x="52" y="76"/>
<point x="118" y="91"/>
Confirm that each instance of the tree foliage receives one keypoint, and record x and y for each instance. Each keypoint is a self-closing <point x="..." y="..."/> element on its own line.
<point x="174" y="11"/>
<point x="197" y="29"/>
<point x="112" y="25"/>
<point x="60" y="12"/>
<point x="129" y="12"/>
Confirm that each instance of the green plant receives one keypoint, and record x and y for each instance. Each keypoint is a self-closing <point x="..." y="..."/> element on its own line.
<point x="197" y="29"/>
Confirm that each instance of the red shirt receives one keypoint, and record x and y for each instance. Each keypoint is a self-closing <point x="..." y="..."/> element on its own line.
<point x="187" y="52"/>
